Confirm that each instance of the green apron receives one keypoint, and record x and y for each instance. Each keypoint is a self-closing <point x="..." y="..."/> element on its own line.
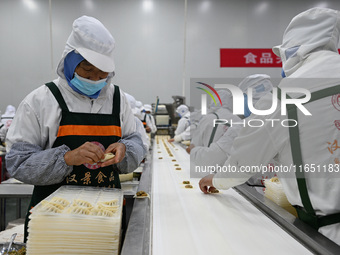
<point x="74" y="130"/>
<point x="213" y="132"/>
<point x="307" y="213"/>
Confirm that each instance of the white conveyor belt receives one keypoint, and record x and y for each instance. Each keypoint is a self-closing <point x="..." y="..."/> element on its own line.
<point x="186" y="221"/>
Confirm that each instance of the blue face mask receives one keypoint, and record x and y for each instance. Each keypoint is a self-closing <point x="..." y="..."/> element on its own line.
<point x="88" y="87"/>
<point x="247" y="112"/>
<point x="283" y="75"/>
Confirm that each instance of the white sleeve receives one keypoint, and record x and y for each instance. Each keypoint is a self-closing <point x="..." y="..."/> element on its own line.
<point x="25" y="127"/>
<point x="208" y="156"/>
<point x="217" y="153"/>
<point x="252" y="149"/>
<point x="181" y="126"/>
<point x="203" y="131"/>
<point x="186" y="135"/>
<point x="150" y="121"/>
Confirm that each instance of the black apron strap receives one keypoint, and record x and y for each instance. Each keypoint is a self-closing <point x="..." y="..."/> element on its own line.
<point x="307" y="213"/>
<point x="188" y="120"/>
<point x="213" y="132"/>
<point x="295" y="145"/>
<point x="116" y="101"/>
<point x="56" y="92"/>
<point x="329" y="219"/>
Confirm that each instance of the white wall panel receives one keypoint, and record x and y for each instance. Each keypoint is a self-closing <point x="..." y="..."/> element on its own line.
<point x="25" y="59"/>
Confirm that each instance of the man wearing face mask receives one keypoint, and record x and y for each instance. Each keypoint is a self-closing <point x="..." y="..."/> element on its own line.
<point x="182" y="131"/>
<point x="63" y="129"/>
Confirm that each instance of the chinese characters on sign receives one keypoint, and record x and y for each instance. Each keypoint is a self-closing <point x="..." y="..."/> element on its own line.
<point x="249" y="58"/>
<point x="235" y="57"/>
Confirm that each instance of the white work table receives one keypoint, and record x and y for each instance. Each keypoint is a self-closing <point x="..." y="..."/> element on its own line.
<point x="186" y="221"/>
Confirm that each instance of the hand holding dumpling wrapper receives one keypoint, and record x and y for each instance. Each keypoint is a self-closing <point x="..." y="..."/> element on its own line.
<point x="107" y="157"/>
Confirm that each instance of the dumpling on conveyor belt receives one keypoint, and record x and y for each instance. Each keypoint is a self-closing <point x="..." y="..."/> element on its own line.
<point x="214" y="191"/>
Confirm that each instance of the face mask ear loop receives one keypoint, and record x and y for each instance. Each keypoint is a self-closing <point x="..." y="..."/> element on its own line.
<point x="247" y="112"/>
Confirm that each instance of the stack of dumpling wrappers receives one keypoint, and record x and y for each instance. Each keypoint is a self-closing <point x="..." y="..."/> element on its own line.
<point x="76" y="220"/>
<point x="274" y="191"/>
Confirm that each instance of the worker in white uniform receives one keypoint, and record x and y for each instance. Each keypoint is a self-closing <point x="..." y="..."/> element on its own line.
<point x="63" y="129"/>
<point x="6" y="121"/>
<point x="310" y="60"/>
<point x="148" y="119"/>
<point x="139" y="125"/>
<point x="219" y="151"/>
<point x="139" y="108"/>
<point x="182" y="131"/>
<point x="205" y="134"/>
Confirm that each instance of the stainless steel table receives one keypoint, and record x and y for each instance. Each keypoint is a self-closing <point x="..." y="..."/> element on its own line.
<point x="17" y="191"/>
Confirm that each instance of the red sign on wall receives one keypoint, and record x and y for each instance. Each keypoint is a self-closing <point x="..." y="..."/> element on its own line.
<point x="249" y="58"/>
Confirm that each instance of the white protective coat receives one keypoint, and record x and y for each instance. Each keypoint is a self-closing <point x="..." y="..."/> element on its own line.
<point x="201" y="136"/>
<point x="183" y="124"/>
<point x="150" y="121"/>
<point x="184" y="136"/>
<point x="139" y="125"/>
<point x="317" y="60"/>
<point x="218" y="152"/>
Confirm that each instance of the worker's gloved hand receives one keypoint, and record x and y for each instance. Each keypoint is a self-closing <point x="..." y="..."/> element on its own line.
<point x="171" y="140"/>
<point x="148" y="129"/>
<point x="189" y="148"/>
<point x="88" y="152"/>
<point x="118" y="149"/>
<point x="206" y="184"/>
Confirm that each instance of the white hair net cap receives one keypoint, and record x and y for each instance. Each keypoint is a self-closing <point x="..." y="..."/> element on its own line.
<point x="139" y="104"/>
<point x="260" y="84"/>
<point x="310" y="31"/>
<point x="93" y="41"/>
<point x="10" y="111"/>
<point x="226" y="99"/>
<point x="182" y="109"/>
<point x="148" y="108"/>
<point x="9" y="114"/>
